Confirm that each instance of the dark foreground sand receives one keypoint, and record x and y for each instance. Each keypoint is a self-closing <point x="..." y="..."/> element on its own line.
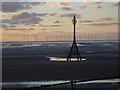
<point x="26" y="69"/>
<point x="31" y="64"/>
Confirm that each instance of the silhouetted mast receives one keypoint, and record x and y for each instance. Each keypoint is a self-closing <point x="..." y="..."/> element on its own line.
<point x="74" y="52"/>
<point x="74" y="23"/>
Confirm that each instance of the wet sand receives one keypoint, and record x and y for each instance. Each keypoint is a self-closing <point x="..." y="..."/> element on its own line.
<point x="31" y="64"/>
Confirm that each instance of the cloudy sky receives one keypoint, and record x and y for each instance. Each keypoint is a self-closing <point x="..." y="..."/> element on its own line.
<point x="41" y="21"/>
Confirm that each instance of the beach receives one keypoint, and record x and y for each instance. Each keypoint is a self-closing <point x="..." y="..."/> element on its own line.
<point x="32" y="63"/>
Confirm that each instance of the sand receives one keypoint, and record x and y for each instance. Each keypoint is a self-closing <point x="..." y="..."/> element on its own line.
<point x="31" y="64"/>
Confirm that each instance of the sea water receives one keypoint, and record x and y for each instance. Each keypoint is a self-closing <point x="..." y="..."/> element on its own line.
<point x="38" y="43"/>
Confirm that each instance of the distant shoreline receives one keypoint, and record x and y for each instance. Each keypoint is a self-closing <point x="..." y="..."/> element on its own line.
<point x="66" y="41"/>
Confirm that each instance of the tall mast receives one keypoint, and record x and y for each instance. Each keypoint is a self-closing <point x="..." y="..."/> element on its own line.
<point x="74" y="51"/>
<point x="74" y="21"/>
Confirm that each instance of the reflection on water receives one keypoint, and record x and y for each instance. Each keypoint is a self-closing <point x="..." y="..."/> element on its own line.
<point x="19" y="45"/>
<point x="64" y="59"/>
<point x="40" y="83"/>
<point x="29" y="84"/>
<point x="101" y="81"/>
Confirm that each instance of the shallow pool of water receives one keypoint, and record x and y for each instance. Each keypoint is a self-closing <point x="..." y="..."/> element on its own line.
<point x="64" y="59"/>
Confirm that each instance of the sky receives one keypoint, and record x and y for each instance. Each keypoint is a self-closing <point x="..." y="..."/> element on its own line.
<point x="52" y="21"/>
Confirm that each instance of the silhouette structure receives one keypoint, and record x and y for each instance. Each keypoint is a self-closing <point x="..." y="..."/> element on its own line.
<point x="74" y="52"/>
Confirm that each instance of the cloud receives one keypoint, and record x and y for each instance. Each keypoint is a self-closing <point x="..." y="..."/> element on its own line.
<point x="42" y="14"/>
<point x="67" y="8"/>
<point x="50" y="25"/>
<point x="14" y="27"/>
<point x="105" y="19"/>
<point x="58" y="22"/>
<point x="19" y="29"/>
<point x="53" y="14"/>
<point x="116" y="3"/>
<point x="98" y="21"/>
<point x="13" y="6"/>
<point x="17" y="6"/>
<point x="35" y="3"/>
<point x="23" y="18"/>
<point x="55" y="25"/>
<point x="70" y="15"/>
<point x="43" y="29"/>
<point x="23" y="15"/>
<point x="86" y="21"/>
<point x="96" y="4"/>
<point x="102" y="24"/>
<point x="63" y="4"/>
<point x="83" y="6"/>
<point x="97" y="7"/>
<point x="4" y="26"/>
